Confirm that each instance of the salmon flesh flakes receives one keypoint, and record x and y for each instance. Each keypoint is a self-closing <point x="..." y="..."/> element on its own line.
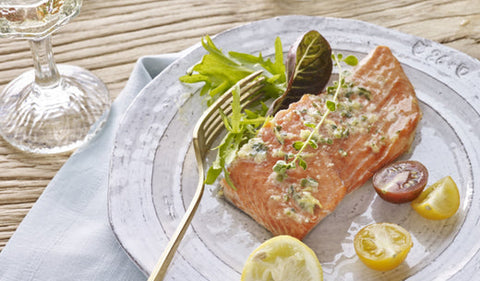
<point x="374" y="122"/>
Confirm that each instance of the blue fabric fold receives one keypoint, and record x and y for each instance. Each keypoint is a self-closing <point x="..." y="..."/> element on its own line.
<point x="66" y="235"/>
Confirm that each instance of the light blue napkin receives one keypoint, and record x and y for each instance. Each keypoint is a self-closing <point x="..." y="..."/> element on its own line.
<point x="66" y="235"/>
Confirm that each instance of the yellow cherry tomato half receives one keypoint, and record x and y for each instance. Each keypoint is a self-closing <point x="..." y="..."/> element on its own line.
<point x="382" y="246"/>
<point x="438" y="201"/>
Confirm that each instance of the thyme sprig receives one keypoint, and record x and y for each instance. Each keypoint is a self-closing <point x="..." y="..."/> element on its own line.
<point x="281" y="166"/>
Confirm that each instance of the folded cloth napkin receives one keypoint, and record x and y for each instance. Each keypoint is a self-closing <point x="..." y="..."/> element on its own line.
<point x="66" y="235"/>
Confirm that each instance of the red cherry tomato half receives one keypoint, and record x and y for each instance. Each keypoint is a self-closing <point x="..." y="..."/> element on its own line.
<point x="401" y="181"/>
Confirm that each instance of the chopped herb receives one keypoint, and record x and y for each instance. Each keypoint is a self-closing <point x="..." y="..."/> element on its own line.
<point x="308" y="182"/>
<point x="278" y="135"/>
<point x="306" y="201"/>
<point x="280" y="167"/>
<point x="259" y="147"/>
<point x="364" y="92"/>
<point x="341" y="132"/>
<point x="309" y="124"/>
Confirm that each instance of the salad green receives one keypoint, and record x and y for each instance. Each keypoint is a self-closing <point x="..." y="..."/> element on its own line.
<point x="309" y="67"/>
<point x="220" y="72"/>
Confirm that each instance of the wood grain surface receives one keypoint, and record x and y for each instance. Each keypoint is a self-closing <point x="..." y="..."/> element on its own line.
<point x="110" y="35"/>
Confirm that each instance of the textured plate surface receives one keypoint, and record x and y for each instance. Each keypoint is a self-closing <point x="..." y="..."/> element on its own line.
<point x="153" y="171"/>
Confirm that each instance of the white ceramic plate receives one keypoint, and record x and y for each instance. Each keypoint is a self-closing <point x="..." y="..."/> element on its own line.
<point x="153" y="170"/>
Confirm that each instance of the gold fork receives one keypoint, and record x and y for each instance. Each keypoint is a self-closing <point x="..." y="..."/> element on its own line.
<point x="205" y="132"/>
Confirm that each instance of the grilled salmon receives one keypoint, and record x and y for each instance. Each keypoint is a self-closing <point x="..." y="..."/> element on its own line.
<point x="374" y="122"/>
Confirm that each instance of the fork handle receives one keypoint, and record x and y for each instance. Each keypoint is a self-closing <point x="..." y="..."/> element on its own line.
<point x="161" y="267"/>
<point x="198" y="140"/>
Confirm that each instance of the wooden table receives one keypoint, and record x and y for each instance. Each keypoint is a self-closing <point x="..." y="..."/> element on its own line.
<point x="108" y="36"/>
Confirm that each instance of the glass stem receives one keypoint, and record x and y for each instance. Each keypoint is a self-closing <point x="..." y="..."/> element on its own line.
<point x="46" y="72"/>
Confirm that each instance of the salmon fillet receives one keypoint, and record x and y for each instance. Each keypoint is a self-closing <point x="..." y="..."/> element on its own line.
<point x="374" y="123"/>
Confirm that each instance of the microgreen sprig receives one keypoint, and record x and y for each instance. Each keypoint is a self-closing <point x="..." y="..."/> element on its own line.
<point x="282" y="166"/>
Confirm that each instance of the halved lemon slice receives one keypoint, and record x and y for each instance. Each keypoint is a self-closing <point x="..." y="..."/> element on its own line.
<point x="282" y="258"/>
<point x="439" y="201"/>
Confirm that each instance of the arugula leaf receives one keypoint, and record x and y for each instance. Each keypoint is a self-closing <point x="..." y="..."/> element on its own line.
<point x="221" y="71"/>
<point x="277" y="68"/>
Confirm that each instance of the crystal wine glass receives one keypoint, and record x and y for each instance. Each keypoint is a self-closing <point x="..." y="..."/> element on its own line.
<point x="49" y="109"/>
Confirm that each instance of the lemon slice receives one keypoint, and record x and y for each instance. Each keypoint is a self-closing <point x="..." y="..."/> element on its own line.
<point x="439" y="201"/>
<point x="282" y="258"/>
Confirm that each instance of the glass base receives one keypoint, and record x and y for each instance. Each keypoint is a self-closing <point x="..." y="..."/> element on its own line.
<point x="56" y="118"/>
